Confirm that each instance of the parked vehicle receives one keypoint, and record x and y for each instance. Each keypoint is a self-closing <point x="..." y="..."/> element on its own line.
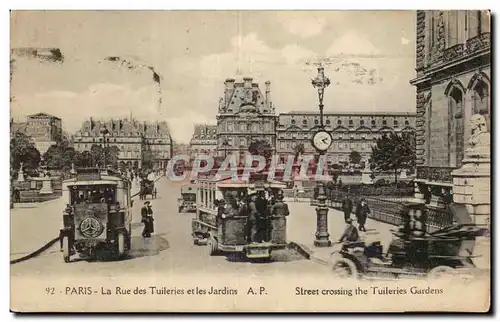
<point x="98" y="214"/>
<point x="187" y="201"/>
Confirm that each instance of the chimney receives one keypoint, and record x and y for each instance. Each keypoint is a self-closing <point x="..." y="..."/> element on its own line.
<point x="229" y="88"/>
<point x="268" y="94"/>
<point x="247" y="82"/>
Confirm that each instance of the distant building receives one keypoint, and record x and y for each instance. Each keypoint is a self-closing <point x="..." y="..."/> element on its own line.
<point x="44" y="129"/>
<point x="131" y="137"/>
<point x="203" y="141"/>
<point x="180" y="149"/>
<point x="350" y="132"/>
<point x="453" y="64"/>
<point x="245" y="115"/>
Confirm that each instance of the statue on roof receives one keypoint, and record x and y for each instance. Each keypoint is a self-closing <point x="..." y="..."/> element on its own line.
<point x="221" y="105"/>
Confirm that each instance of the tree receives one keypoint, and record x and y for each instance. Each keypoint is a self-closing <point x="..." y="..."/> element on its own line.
<point x="60" y="156"/>
<point x="97" y="153"/>
<point x="83" y="159"/>
<point x="147" y="159"/>
<point x="22" y="149"/>
<point x="394" y="153"/>
<point x="262" y="148"/>
<point x="355" y="157"/>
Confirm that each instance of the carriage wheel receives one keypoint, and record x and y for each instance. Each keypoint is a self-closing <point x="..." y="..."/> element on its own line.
<point x="65" y="248"/>
<point x="440" y="272"/>
<point x="345" y="268"/>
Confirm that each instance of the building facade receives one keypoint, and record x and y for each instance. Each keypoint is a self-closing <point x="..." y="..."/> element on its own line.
<point x="203" y="141"/>
<point x="245" y="116"/>
<point x="44" y="129"/>
<point x="131" y="137"/>
<point x="350" y="132"/>
<point x="453" y="62"/>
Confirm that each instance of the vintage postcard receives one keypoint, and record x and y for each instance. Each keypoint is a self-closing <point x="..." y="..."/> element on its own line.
<point x="250" y="161"/>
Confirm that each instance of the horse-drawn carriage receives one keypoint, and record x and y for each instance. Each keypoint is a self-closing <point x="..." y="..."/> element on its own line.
<point x="226" y="234"/>
<point x="445" y="251"/>
<point x="147" y="188"/>
<point x="98" y="214"/>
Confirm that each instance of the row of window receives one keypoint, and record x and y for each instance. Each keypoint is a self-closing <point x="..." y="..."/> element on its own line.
<point x="248" y="127"/>
<point x="205" y="137"/>
<point x="456" y="127"/>
<point x="307" y="136"/>
<point x="335" y="146"/>
<point x="395" y="123"/>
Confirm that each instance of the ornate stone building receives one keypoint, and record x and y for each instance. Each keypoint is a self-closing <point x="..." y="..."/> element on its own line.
<point x="131" y="137"/>
<point x="245" y="115"/>
<point x="350" y="131"/>
<point x="453" y="62"/>
<point x="204" y="140"/>
<point x="44" y="129"/>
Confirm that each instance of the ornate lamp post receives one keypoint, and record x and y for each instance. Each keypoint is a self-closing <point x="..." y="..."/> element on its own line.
<point x="104" y="132"/>
<point x="321" y="141"/>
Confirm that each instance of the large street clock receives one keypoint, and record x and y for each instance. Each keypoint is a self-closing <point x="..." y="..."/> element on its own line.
<point x="322" y="140"/>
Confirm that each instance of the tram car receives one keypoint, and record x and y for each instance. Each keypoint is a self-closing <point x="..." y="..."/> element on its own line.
<point x="187" y="200"/>
<point x="228" y="234"/>
<point x="98" y="214"/>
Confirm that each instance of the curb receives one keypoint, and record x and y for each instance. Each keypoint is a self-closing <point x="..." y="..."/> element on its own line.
<point x="36" y="252"/>
<point x="307" y="253"/>
<point x="52" y="242"/>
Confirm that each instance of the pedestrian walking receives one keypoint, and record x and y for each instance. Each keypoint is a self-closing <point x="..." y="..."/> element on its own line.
<point x="147" y="220"/>
<point x="347" y="207"/>
<point x="295" y="191"/>
<point x="362" y="212"/>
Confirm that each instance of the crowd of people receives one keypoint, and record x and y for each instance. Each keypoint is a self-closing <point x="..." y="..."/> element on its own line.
<point x="257" y="207"/>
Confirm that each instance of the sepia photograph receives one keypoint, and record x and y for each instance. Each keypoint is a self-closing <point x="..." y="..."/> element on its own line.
<point x="250" y="161"/>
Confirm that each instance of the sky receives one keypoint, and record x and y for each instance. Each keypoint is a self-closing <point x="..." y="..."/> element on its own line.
<point x="370" y="59"/>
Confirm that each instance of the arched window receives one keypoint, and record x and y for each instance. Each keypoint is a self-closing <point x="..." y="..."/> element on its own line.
<point x="456" y="127"/>
<point x="481" y="100"/>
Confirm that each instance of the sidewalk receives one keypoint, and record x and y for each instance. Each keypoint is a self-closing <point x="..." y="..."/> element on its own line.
<point x="31" y="228"/>
<point x="301" y="229"/>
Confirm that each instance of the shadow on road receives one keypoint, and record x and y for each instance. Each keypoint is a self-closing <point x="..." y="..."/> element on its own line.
<point x="141" y="247"/>
<point x="283" y="255"/>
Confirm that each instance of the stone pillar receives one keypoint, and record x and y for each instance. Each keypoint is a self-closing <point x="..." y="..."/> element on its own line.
<point x="366" y="175"/>
<point x="403" y="175"/>
<point x="471" y="182"/>
<point x="46" y="186"/>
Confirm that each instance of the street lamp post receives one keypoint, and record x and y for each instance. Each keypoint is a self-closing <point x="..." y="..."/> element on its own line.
<point x="322" y="140"/>
<point x="104" y="132"/>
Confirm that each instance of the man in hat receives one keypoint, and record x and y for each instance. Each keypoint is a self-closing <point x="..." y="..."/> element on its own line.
<point x="279" y="208"/>
<point x="147" y="219"/>
<point x="362" y="212"/>
<point x="350" y="233"/>
<point x="253" y="214"/>
<point x="347" y="207"/>
<point x="262" y="216"/>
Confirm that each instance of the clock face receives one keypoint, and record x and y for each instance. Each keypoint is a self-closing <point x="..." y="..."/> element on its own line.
<point x="322" y="140"/>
